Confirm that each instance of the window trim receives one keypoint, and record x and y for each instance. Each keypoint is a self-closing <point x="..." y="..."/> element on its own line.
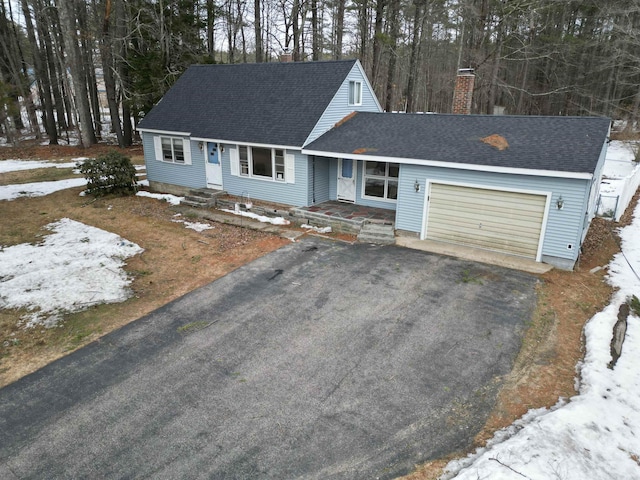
<point x="185" y="143"/>
<point x="352" y="93"/>
<point x="282" y="167"/>
<point x="385" y="178"/>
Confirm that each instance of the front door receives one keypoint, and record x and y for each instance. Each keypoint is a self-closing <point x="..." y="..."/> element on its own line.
<point x="346" y="180"/>
<point x="214" y="169"/>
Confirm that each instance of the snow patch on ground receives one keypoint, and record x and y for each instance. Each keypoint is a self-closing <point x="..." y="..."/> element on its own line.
<point x="172" y="199"/>
<point x="596" y="434"/>
<point x="18" y="165"/>
<point x="38" y="189"/>
<point x="73" y="268"/>
<point x="198" y="227"/>
<point x="260" y="218"/>
<point x="618" y="165"/>
<point x="316" y="229"/>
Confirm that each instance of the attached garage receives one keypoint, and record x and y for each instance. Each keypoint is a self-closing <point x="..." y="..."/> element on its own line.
<point x="503" y="221"/>
<point x="518" y="185"/>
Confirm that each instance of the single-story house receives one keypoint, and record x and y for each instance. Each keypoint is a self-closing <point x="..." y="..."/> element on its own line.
<point x="304" y="133"/>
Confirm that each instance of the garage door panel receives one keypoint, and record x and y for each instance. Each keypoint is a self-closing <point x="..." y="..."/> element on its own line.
<point x="498" y="237"/>
<point x="497" y="207"/>
<point x="486" y="240"/>
<point x="508" y="222"/>
<point x="530" y="224"/>
<point x="529" y="203"/>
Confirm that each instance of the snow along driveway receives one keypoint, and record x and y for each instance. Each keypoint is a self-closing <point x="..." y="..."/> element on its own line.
<point x="597" y="434"/>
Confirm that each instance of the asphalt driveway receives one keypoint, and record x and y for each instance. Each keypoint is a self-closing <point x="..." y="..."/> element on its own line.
<point x="321" y="360"/>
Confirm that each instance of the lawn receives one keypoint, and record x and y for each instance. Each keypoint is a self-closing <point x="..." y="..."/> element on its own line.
<point x="175" y="260"/>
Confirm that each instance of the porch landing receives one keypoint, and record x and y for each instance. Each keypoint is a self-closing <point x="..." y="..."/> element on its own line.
<point x="352" y="211"/>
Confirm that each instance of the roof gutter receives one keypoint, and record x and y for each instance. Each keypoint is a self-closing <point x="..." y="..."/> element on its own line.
<point x="164" y="132"/>
<point x="458" y="166"/>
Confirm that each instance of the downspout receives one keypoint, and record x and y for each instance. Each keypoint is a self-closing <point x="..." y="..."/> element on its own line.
<point x="313" y="180"/>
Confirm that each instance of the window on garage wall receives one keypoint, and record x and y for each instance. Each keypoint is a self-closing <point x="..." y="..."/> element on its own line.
<point x="381" y="180"/>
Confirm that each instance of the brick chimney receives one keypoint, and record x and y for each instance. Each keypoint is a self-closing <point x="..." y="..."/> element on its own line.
<point x="463" y="92"/>
<point x="286" y="56"/>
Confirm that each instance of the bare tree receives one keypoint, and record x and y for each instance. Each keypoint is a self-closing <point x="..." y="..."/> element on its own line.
<point x="68" y="15"/>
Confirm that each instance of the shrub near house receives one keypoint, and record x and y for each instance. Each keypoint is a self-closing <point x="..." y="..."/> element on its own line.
<point x="110" y="173"/>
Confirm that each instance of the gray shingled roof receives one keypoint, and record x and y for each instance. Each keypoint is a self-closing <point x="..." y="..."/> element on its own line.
<point x="273" y="103"/>
<point x="565" y="144"/>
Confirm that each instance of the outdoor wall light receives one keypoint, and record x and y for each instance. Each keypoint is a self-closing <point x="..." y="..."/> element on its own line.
<point x="200" y="145"/>
<point x="416" y="186"/>
<point x="559" y="203"/>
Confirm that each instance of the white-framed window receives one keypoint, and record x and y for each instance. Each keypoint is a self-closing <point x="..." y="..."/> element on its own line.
<point x="173" y="150"/>
<point x="355" y="92"/>
<point x="380" y="180"/>
<point x="243" y="152"/>
<point x="264" y="163"/>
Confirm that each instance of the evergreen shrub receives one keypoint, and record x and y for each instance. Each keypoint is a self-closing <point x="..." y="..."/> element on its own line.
<point x="110" y="173"/>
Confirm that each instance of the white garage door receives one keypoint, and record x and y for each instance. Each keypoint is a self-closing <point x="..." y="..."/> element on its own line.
<point x="507" y="222"/>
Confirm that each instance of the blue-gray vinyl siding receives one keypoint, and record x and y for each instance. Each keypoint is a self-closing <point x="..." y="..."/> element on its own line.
<point x="191" y="176"/>
<point x="295" y="194"/>
<point x="319" y="183"/>
<point x="359" y="169"/>
<point x="564" y="227"/>
<point x="339" y="106"/>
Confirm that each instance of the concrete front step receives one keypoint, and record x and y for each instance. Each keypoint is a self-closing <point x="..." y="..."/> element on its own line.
<point x="382" y="234"/>
<point x="198" y="200"/>
<point x="344" y="225"/>
<point x="206" y="193"/>
<point x="202" y="198"/>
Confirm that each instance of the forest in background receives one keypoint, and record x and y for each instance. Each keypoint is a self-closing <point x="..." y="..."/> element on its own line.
<point x="68" y="64"/>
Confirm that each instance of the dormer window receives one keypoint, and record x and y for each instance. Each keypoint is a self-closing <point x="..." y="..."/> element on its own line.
<point x="355" y="93"/>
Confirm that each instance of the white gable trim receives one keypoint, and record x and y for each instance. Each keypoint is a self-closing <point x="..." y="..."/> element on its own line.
<point x="458" y="166"/>
<point x="368" y="84"/>
<point x="248" y="144"/>
<point x="164" y="132"/>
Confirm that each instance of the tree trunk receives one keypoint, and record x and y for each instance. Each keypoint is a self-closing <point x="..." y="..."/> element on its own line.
<point x="44" y="27"/>
<point x="122" y="31"/>
<point x="257" y="24"/>
<point x="413" y="62"/>
<point x="67" y="12"/>
<point x="106" y="53"/>
<point x="315" y="32"/>
<point x="394" y="32"/>
<point x="339" y="28"/>
<point x="363" y="27"/>
<point x="377" y="42"/>
<point x="211" y="49"/>
<point x="295" y="20"/>
<point x="42" y="75"/>
<point x="88" y="69"/>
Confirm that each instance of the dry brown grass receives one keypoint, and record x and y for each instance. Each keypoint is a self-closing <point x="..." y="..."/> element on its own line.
<point x="176" y="261"/>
